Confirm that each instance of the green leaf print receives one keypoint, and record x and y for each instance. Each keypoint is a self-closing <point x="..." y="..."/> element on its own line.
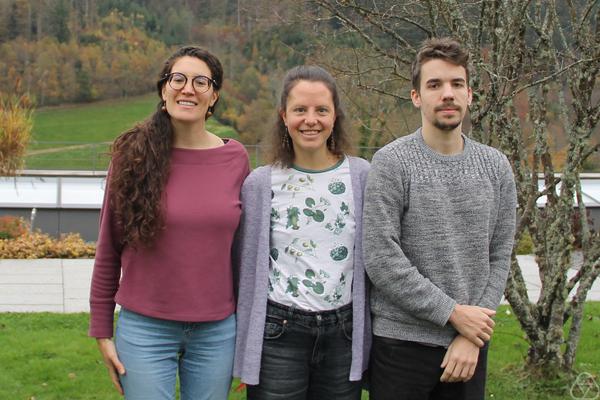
<point x="338" y="226"/>
<point x="274" y="253"/>
<point x="276" y="274"/>
<point x="292" y="286"/>
<point x="316" y="287"/>
<point x="339" y="253"/>
<point x="337" y="187"/>
<point x="316" y="211"/>
<point x="274" y="216"/>
<point x="323" y="274"/>
<point x="314" y="282"/>
<point x="292" y="218"/>
<point x="308" y="283"/>
<point x="345" y="209"/>
<point x="335" y="297"/>
<point x="319" y="288"/>
<point x="319" y="216"/>
<point x="274" y="278"/>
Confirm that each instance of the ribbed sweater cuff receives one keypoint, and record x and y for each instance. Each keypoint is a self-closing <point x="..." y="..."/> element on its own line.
<point x="101" y="324"/>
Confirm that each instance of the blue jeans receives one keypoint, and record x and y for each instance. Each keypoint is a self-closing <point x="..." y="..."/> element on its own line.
<point x="306" y="355"/>
<point x="153" y="351"/>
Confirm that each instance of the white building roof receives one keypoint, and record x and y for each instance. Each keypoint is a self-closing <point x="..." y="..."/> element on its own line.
<point x="48" y="189"/>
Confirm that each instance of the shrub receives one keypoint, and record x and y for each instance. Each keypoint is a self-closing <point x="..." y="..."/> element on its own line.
<point x="15" y="131"/>
<point x="41" y="245"/>
<point x="12" y="227"/>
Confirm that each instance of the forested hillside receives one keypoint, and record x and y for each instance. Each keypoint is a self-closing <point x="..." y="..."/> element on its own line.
<point x="67" y="51"/>
<point x="62" y="51"/>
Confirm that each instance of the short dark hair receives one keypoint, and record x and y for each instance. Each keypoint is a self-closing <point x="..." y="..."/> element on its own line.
<point x="444" y="48"/>
<point x="284" y="154"/>
<point x="213" y="63"/>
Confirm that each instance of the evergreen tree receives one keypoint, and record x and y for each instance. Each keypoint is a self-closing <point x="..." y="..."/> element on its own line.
<point x="59" y="21"/>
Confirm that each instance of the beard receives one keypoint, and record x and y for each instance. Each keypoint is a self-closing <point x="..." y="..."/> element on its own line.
<point x="447" y="126"/>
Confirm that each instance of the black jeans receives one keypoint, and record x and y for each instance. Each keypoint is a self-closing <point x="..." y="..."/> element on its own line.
<point x="306" y="355"/>
<point x="402" y="370"/>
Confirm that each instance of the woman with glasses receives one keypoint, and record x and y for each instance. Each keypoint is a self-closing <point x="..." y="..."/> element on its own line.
<point x="170" y="212"/>
<point x="303" y="323"/>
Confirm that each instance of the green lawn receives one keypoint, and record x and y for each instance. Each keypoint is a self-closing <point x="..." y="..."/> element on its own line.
<point x="48" y="357"/>
<point x="508" y="349"/>
<point x="80" y="132"/>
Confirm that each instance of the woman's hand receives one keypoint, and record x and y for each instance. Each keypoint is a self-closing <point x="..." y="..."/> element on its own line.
<point x="114" y="366"/>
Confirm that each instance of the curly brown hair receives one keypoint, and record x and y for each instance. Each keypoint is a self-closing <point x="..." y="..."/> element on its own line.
<point x="141" y="162"/>
<point x="283" y="154"/>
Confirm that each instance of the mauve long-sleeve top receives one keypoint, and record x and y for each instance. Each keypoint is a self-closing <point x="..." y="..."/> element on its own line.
<point x="186" y="275"/>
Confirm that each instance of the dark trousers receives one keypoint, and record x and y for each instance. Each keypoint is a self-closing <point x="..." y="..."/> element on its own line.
<point x="402" y="370"/>
<point x="306" y="355"/>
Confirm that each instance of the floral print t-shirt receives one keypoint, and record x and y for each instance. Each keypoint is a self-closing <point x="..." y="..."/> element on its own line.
<point x="312" y="237"/>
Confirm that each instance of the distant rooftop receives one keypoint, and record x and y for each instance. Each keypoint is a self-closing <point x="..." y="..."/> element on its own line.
<point x="85" y="190"/>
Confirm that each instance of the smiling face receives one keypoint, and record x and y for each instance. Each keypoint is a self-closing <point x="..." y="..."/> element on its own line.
<point x="186" y="105"/>
<point x="309" y="116"/>
<point x="443" y="96"/>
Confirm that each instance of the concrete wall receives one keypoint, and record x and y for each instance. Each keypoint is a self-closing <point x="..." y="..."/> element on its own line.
<point x="70" y="201"/>
<point x="58" y="221"/>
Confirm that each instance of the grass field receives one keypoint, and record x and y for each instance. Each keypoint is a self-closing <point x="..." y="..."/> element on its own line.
<point x="77" y="137"/>
<point x="48" y="357"/>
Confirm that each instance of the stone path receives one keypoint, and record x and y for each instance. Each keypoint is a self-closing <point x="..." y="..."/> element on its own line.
<point x="64" y="148"/>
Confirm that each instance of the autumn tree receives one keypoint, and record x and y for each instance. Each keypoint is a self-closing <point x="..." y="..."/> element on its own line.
<point x="544" y="54"/>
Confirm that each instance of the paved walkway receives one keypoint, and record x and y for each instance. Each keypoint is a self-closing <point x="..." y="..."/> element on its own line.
<point x="64" y="285"/>
<point x="530" y="273"/>
<point x="65" y="148"/>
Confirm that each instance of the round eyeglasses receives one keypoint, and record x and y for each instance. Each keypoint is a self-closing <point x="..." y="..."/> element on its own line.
<point x="201" y="83"/>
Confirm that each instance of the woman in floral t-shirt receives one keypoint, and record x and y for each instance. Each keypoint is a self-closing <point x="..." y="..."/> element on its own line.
<point x="303" y="324"/>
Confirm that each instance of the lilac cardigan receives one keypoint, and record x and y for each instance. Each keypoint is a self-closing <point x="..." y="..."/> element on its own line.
<point x="251" y="258"/>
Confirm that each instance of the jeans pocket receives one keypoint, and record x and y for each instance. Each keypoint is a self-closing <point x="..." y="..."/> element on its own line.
<point x="347" y="328"/>
<point x="274" y="327"/>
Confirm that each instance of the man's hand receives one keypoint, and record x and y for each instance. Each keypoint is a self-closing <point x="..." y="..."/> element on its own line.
<point x="460" y="360"/>
<point x="113" y="364"/>
<point x="473" y="322"/>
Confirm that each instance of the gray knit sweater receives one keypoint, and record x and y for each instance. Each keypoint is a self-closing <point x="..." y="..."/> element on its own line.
<point x="438" y="230"/>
